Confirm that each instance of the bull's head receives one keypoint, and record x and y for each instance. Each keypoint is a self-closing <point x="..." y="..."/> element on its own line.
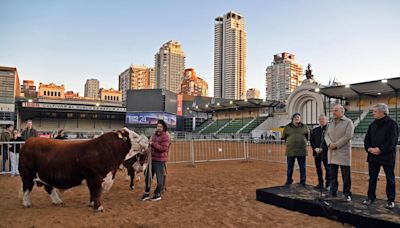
<point x="139" y="143"/>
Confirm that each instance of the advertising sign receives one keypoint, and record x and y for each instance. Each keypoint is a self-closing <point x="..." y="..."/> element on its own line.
<point x="150" y="118"/>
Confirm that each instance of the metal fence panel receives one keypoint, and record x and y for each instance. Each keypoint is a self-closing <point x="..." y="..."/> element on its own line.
<point x="202" y="150"/>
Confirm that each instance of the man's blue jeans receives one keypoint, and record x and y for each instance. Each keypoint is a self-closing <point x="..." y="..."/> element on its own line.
<point x="301" y="160"/>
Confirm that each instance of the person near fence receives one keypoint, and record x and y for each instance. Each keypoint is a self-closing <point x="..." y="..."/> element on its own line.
<point x="159" y="144"/>
<point x="60" y="135"/>
<point x="6" y="136"/>
<point x="296" y="135"/>
<point x="380" y="144"/>
<point x="320" y="152"/>
<point x="338" y="138"/>
<point x="29" y="131"/>
<point x="14" y="152"/>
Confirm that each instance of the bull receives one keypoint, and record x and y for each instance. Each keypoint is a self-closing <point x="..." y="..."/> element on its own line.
<point x="65" y="164"/>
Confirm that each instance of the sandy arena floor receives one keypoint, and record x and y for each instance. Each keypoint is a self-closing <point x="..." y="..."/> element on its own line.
<point x="213" y="194"/>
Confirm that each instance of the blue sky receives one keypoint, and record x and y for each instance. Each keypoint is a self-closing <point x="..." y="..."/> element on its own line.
<point x="67" y="42"/>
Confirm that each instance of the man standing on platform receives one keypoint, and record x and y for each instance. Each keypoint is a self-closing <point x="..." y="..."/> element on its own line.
<point x="380" y="144"/>
<point x="338" y="139"/>
<point x="320" y="152"/>
<point x="296" y="135"/>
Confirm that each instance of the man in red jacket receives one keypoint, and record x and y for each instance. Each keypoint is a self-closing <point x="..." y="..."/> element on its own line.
<point x="159" y="156"/>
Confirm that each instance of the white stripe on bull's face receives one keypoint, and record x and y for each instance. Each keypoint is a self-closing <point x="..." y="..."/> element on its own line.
<point x="107" y="182"/>
<point x="139" y="143"/>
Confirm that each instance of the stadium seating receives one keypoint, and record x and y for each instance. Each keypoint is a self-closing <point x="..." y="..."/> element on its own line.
<point x="392" y="114"/>
<point x="257" y="121"/>
<point x="362" y="127"/>
<point x="215" y="126"/>
<point x="353" y="115"/>
<point x="235" y="125"/>
<point x="203" y="125"/>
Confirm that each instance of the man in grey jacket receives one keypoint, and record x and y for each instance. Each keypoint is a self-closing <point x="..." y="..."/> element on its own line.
<point x="338" y="139"/>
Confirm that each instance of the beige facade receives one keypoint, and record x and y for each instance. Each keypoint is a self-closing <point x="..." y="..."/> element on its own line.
<point x="110" y="95"/>
<point x="51" y="91"/>
<point x="230" y="54"/>
<point x="169" y="66"/>
<point x="92" y="88"/>
<point x="135" y="77"/>
<point x="253" y="93"/>
<point x="193" y="84"/>
<point x="283" y="76"/>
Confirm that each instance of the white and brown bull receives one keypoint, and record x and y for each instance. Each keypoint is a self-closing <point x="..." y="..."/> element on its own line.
<point x="65" y="164"/>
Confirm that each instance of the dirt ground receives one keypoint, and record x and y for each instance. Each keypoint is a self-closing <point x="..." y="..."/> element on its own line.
<point x="212" y="194"/>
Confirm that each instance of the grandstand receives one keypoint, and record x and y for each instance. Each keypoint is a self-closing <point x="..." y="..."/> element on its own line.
<point x="78" y="120"/>
<point x="360" y="97"/>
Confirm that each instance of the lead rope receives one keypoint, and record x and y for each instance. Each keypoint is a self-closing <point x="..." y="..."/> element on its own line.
<point x="149" y="168"/>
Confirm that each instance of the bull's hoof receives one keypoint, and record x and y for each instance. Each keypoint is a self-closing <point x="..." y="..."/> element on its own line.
<point x="91" y="204"/>
<point x="132" y="188"/>
<point x="27" y="204"/>
<point x="100" y="209"/>
<point x="60" y="204"/>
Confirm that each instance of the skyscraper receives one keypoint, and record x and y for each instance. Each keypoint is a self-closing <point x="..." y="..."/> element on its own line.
<point x="135" y="77"/>
<point x="230" y="46"/>
<point x="282" y="77"/>
<point x="152" y="79"/>
<point x="193" y="85"/>
<point x="92" y="88"/>
<point x="169" y="66"/>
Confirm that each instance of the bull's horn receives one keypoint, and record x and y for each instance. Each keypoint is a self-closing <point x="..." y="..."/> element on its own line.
<point x="133" y="133"/>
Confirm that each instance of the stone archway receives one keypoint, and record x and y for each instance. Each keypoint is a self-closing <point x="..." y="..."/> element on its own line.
<point x="306" y="102"/>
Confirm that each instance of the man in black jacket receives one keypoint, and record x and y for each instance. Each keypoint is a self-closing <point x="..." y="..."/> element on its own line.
<point x="380" y="144"/>
<point x="320" y="152"/>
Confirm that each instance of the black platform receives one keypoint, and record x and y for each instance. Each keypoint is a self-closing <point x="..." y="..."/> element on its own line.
<point x="309" y="201"/>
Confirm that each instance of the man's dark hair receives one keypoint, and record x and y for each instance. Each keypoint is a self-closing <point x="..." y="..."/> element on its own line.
<point x="162" y="122"/>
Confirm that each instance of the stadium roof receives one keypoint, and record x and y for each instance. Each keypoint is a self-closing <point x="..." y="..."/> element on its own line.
<point x="371" y="88"/>
<point x="236" y="104"/>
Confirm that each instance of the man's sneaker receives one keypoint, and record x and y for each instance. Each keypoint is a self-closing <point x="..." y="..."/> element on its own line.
<point x="145" y="196"/>
<point x="333" y="194"/>
<point x="390" y="205"/>
<point x="288" y="183"/>
<point x="156" y="197"/>
<point x="347" y="198"/>
<point x="367" y="202"/>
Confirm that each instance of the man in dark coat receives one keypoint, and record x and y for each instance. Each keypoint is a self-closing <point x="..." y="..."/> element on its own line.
<point x="380" y="144"/>
<point x="320" y="152"/>
<point x="29" y="131"/>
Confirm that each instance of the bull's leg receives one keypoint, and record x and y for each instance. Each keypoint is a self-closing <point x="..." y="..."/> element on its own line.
<point x="27" y="177"/>
<point x="55" y="198"/>
<point x="132" y="175"/>
<point x="95" y="194"/>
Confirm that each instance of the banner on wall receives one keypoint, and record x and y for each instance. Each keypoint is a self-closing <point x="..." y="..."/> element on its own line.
<point x="179" y="105"/>
<point x="150" y="118"/>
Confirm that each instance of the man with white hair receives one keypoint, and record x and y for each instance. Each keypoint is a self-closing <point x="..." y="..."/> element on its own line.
<point x="338" y="138"/>
<point x="380" y="144"/>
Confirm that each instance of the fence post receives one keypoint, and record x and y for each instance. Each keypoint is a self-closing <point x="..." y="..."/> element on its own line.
<point x="192" y="151"/>
<point x="397" y="171"/>
<point x="244" y="150"/>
